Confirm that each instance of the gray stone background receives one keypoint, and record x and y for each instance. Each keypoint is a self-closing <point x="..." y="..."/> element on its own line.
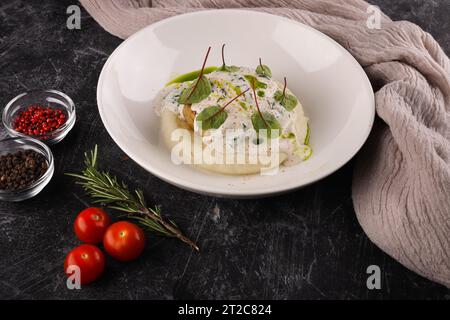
<point x="302" y="245"/>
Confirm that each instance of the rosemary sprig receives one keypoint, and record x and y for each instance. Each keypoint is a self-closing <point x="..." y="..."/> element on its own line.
<point x="106" y="190"/>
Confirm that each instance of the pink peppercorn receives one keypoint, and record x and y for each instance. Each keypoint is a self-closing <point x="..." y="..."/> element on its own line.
<point x="38" y="120"/>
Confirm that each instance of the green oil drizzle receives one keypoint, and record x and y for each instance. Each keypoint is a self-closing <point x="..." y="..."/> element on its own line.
<point x="290" y="136"/>
<point x="307" y="143"/>
<point x="190" y="75"/>
<point x="307" y="136"/>
<point x="309" y="155"/>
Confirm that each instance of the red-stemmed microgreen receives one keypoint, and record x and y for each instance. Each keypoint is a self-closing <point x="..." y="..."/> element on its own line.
<point x="264" y="120"/>
<point x="263" y="70"/>
<point x="214" y="116"/>
<point x="288" y="101"/>
<point x="198" y="90"/>
<point x="231" y="101"/>
<point x="224" y="67"/>
<point x="223" y="55"/>
<point x="257" y="104"/>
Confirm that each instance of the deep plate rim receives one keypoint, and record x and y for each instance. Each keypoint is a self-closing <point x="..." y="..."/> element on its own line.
<point x="224" y="191"/>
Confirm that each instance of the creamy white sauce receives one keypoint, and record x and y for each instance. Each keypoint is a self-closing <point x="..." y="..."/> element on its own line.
<point x="226" y="86"/>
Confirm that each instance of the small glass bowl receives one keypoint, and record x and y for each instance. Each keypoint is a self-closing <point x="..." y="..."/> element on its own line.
<point x="47" y="98"/>
<point x="11" y="145"/>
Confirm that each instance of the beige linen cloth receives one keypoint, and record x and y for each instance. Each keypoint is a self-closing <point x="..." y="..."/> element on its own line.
<point x="401" y="184"/>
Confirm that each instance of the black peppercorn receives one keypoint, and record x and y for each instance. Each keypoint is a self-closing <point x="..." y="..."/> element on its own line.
<point x="20" y="169"/>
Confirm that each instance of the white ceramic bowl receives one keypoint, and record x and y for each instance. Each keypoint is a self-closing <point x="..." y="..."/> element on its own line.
<point x="333" y="88"/>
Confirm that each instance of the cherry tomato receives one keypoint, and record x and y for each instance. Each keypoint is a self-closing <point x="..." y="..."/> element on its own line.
<point x="89" y="259"/>
<point x="91" y="224"/>
<point x="124" y="241"/>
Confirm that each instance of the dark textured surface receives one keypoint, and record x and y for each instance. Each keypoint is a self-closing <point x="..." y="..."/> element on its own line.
<point x="303" y="245"/>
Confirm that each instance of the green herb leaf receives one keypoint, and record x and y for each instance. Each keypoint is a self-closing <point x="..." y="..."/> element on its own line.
<point x="254" y="82"/>
<point x="263" y="70"/>
<point x="212" y="117"/>
<point x="278" y="96"/>
<point x="199" y="89"/>
<point x="226" y="68"/>
<point x="269" y="123"/>
<point x="261" y="94"/>
<point x="288" y="101"/>
<point x="196" y="92"/>
<point x="261" y="85"/>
